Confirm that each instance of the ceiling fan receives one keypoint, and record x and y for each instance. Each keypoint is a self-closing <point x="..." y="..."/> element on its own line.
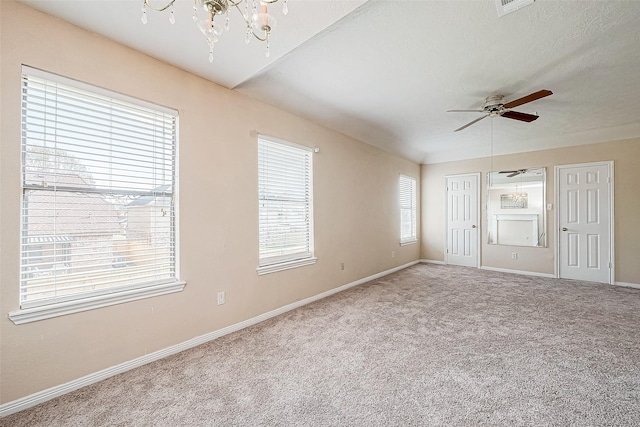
<point x="494" y="106"/>
<point x="514" y="173"/>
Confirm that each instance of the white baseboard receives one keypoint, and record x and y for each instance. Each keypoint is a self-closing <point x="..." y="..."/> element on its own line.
<point x="523" y="272"/>
<point x="50" y="393"/>
<point x="628" y="285"/>
<point x="551" y="276"/>
<point x="432" y="261"/>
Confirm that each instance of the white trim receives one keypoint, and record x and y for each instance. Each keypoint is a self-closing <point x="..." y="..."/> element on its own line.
<point x="432" y="261"/>
<point x="53" y="392"/>
<point x="409" y="242"/>
<point x="272" y="268"/>
<point x="612" y="255"/>
<point x="34" y="314"/>
<point x="628" y="285"/>
<point x="523" y="272"/>
<point x="612" y="223"/>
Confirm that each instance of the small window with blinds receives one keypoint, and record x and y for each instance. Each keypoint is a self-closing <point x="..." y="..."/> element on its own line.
<point x="98" y="195"/>
<point x="408" y="232"/>
<point x="285" y="200"/>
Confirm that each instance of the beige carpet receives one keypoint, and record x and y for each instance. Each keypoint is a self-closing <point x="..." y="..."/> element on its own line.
<point x="429" y="345"/>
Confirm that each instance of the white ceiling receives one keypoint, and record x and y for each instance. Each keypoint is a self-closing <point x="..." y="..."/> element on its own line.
<point x="386" y="71"/>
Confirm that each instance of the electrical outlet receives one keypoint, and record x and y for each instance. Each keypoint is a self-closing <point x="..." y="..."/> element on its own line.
<point x="342" y="266"/>
<point x="514" y="255"/>
<point x="220" y="298"/>
<point x="393" y="254"/>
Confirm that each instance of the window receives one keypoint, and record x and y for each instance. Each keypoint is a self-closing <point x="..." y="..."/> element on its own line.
<point x="98" y="198"/>
<point x="285" y="205"/>
<point x="408" y="232"/>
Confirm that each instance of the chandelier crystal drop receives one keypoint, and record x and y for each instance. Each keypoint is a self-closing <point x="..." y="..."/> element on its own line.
<point x="259" y="24"/>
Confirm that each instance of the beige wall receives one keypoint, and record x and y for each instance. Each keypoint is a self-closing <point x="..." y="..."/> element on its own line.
<point x="626" y="157"/>
<point x="356" y="209"/>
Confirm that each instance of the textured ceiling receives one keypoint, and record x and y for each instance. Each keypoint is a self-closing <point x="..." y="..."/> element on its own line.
<point x="385" y="72"/>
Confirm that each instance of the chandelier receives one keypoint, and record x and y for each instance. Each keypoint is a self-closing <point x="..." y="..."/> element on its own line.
<point x="259" y="23"/>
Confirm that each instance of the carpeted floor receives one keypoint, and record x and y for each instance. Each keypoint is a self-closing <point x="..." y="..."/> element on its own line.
<point x="429" y="345"/>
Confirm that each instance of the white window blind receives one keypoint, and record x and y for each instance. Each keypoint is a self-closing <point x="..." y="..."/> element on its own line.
<point x="285" y="202"/>
<point x="98" y="186"/>
<point x="408" y="233"/>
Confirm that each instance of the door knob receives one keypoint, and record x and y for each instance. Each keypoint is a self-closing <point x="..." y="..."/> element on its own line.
<point x="473" y="226"/>
<point x="565" y="229"/>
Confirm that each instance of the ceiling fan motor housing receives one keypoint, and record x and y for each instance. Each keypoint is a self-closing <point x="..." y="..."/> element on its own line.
<point x="493" y="104"/>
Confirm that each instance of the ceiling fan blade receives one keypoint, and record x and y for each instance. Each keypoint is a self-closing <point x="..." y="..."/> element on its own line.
<point x="514" y="173"/>
<point x="529" y="98"/>
<point x="465" y="111"/>
<point x="523" y="117"/>
<point x="470" y="123"/>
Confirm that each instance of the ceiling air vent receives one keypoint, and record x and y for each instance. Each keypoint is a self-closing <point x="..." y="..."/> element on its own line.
<point x="508" y="6"/>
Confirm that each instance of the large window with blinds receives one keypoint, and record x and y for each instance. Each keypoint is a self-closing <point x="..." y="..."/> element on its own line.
<point x="285" y="200"/>
<point x="408" y="229"/>
<point x="98" y="196"/>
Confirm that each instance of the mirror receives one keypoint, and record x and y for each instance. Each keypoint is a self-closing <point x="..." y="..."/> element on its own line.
<point x="516" y="211"/>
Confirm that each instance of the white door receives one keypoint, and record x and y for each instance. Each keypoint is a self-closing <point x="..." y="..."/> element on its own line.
<point x="462" y="220"/>
<point x="584" y="222"/>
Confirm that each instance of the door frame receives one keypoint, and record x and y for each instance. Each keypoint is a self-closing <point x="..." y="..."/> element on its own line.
<point x="612" y="254"/>
<point x="478" y="175"/>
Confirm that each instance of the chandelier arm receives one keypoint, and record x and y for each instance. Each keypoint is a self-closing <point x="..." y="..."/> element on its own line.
<point x="147" y="4"/>
<point x="237" y="6"/>
<point x="262" y="39"/>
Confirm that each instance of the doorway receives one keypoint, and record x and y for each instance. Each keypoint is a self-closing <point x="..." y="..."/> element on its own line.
<point x="463" y="198"/>
<point x="584" y="237"/>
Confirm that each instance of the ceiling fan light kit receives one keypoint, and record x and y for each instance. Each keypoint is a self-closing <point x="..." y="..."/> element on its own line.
<point x="259" y="23"/>
<point x="494" y="106"/>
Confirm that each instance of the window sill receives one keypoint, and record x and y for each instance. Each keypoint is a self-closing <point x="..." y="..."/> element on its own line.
<point x="68" y="307"/>
<point x="409" y="242"/>
<point x="272" y="268"/>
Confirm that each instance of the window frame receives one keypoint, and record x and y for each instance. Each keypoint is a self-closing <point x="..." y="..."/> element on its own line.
<point x="88" y="300"/>
<point x="412" y="207"/>
<point x="276" y="263"/>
